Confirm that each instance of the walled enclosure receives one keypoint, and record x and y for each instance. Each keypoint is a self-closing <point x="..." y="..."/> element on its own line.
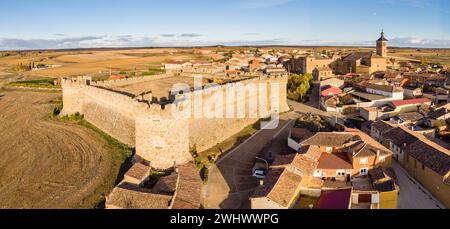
<point x="159" y="137"/>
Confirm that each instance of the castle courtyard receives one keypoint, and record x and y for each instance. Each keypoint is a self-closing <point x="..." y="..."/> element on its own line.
<point x="160" y="88"/>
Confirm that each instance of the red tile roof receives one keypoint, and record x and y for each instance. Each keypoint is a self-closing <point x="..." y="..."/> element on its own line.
<point x="334" y="161"/>
<point x="410" y="102"/>
<point x="117" y="77"/>
<point x="331" y="91"/>
<point x="335" y="199"/>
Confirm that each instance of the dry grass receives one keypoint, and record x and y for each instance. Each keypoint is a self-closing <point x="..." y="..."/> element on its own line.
<point x="207" y="157"/>
<point x="74" y="63"/>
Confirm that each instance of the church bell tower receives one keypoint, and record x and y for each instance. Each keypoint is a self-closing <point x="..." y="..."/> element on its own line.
<point x="382" y="44"/>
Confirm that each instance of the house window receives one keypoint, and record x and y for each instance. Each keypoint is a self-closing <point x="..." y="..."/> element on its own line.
<point x="382" y="158"/>
<point x="364" y="161"/>
<point x="318" y="173"/>
<point x="340" y="173"/>
<point x="364" y="171"/>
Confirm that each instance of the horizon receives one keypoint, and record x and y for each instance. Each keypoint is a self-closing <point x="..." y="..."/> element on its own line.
<point x="60" y="25"/>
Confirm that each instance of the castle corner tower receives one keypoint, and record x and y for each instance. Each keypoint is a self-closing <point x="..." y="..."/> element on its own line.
<point x="382" y="44"/>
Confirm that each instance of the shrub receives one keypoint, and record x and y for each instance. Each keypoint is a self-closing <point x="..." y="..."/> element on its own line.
<point x="56" y="110"/>
<point x="42" y="83"/>
<point x="73" y="117"/>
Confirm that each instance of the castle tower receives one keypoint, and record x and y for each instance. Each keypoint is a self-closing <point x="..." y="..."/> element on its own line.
<point x="382" y="45"/>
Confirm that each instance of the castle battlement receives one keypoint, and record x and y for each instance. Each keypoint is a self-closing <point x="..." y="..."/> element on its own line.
<point x="79" y="81"/>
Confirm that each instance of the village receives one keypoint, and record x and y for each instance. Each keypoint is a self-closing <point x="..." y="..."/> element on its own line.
<point x="358" y="129"/>
<point x="387" y="128"/>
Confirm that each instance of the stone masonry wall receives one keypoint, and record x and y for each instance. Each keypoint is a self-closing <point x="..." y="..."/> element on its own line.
<point x="159" y="138"/>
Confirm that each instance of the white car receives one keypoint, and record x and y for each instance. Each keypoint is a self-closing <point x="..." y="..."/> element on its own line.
<point x="260" y="174"/>
<point x="260" y="169"/>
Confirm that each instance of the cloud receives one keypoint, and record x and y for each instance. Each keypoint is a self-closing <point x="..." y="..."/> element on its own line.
<point x="255" y="4"/>
<point x="180" y="41"/>
<point x="60" y="34"/>
<point x="420" y="42"/>
<point x="168" y="35"/>
<point x="252" y="34"/>
<point x="15" y="43"/>
<point x="190" y="35"/>
<point x="413" y="42"/>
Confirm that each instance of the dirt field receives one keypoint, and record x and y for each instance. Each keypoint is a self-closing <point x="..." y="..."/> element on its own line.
<point x="441" y="56"/>
<point x="75" y="63"/>
<point x="45" y="163"/>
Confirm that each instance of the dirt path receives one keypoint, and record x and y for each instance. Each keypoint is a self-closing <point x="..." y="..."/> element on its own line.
<point x="45" y="163"/>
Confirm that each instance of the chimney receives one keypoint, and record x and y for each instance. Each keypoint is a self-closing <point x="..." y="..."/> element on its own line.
<point x="378" y="153"/>
<point x="261" y="182"/>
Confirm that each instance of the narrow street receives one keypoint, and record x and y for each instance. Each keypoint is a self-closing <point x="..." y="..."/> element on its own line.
<point x="412" y="194"/>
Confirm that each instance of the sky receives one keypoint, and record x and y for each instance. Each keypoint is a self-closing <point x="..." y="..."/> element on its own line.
<point x="58" y="24"/>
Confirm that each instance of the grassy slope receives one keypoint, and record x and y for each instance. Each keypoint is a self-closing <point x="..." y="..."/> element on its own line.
<point x="121" y="156"/>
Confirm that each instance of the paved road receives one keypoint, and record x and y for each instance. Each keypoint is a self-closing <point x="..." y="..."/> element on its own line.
<point x="230" y="182"/>
<point x="412" y="194"/>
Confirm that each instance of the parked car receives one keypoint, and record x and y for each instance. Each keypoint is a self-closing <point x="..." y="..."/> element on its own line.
<point x="260" y="169"/>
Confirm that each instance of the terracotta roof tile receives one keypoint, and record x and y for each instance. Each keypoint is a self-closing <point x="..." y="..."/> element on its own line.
<point x="334" y="161"/>
<point x="280" y="186"/>
<point x="334" y="139"/>
<point x="166" y="185"/>
<point x="436" y="159"/>
<point x="127" y="196"/>
<point x="187" y="195"/>
<point x="138" y="171"/>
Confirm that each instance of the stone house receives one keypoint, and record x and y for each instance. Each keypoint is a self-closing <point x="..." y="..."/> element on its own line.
<point x="322" y="73"/>
<point x="280" y="190"/>
<point x="429" y="163"/>
<point x="307" y="64"/>
<point x="289" y="175"/>
<point x="362" y="154"/>
<point x="424" y="159"/>
<point x="393" y="108"/>
<point x="378" y="191"/>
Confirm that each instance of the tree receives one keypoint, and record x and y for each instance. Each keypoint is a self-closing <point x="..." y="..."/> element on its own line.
<point x="299" y="85"/>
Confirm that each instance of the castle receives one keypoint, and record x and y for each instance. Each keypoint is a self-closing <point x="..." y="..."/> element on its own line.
<point x="356" y="62"/>
<point x="161" y="139"/>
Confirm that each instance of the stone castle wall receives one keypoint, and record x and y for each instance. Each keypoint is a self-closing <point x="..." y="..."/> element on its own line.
<point x="159" y="138"/>
<point x="127" y="81"/>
